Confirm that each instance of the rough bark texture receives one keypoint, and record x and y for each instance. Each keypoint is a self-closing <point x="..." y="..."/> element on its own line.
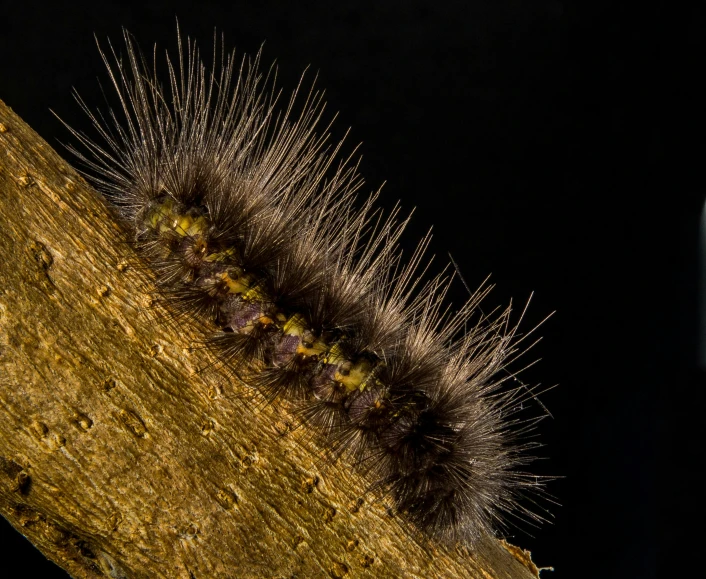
<point x="125" y="453"/>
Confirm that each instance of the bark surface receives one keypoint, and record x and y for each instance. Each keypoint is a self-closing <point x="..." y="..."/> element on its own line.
<point x="126" y="453"/>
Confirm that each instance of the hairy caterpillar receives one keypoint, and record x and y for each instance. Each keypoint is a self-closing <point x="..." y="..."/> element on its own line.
<point x="251" y="222"/>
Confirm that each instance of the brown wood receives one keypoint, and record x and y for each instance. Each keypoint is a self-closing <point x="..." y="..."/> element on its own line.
<point x="125" y="453"/>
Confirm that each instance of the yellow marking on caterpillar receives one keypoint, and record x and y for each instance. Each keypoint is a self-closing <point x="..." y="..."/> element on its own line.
<point x="160" y="213"/>
<point x="357" y="376"/>
<point x="237" y="286"/>
<point x="318" y="347"/>
<point x="165" y="218"/>
<point x="335" y="356"/>
<point x="256" y="294"/>
<point x="294" y="326"/>
<point x="189" y="225"/>
<point x="221" y="255"/>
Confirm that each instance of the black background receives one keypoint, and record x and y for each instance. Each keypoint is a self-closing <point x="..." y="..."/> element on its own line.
<point x="554" y="145"/>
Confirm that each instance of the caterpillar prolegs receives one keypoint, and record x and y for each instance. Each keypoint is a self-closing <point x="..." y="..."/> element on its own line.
<point x="251" y="221"/>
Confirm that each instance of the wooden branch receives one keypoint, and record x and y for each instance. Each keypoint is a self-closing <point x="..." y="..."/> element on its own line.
<point x="122" y="456"/>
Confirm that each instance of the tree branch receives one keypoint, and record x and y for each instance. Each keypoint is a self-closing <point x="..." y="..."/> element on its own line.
<point x="125" y="453"/>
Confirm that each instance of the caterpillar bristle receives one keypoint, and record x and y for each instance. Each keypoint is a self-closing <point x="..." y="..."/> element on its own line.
<point x="252" y="225"/>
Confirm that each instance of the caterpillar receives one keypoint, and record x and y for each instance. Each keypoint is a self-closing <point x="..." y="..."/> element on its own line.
<point x="252" y="222"/>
